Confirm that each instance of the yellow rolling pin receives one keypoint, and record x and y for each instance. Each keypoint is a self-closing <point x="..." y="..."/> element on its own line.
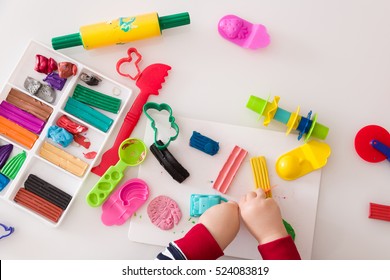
<point x="120" y="31"/>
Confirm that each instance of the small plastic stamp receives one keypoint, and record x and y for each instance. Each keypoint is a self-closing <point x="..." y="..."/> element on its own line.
<point x="5" y="231"/>
<point x="199" y="203"/>
<point x="66" y="69"/>
<point x="60" y="135"/>
<point x="55" y="81"/>
<point x="243" y="33"/>
<point x="204" y="144"/>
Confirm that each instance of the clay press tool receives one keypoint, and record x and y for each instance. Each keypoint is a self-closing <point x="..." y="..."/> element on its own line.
<point x="131" y="152"/>
<point x="372" y="143"/>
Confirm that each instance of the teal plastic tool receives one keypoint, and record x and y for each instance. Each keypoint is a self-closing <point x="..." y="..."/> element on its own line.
<point x="132" y="152"/>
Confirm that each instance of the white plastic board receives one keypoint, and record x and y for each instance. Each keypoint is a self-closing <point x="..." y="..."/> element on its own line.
<point x="297" y="199"/>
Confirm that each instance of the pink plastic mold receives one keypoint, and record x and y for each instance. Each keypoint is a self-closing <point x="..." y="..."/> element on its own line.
<point x="243" y="33"/>
<point x="123" y="203"/>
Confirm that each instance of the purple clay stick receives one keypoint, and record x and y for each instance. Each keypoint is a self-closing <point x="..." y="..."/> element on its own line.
<point x="21" y="117"/>
<point x="5" y="152"/>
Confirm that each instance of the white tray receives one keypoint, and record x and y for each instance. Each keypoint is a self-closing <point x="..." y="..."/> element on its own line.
<point x="34" y="163"/>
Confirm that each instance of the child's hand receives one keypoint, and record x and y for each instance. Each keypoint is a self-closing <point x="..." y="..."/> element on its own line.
<point x="262" y="217"/>
<point x="223" y="222"/>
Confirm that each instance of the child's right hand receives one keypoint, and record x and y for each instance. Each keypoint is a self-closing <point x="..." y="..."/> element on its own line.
<point x="262" y="217"/>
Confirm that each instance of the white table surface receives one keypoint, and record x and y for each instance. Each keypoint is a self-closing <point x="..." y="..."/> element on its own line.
<point x="332" y="57"/>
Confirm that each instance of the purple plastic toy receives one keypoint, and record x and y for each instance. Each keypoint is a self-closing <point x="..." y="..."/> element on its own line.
<point x="123" y="203"/>
<point x="243" y="33"/>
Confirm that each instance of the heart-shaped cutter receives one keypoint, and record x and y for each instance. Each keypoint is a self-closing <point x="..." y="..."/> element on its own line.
<point x="129" y="59"/>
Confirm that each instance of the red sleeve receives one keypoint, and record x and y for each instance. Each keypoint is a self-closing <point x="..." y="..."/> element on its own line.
<point x="279" y="249"/>
<point x="199" y="244"/>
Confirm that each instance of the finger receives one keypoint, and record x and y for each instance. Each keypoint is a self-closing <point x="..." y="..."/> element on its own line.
<point x="251" y="195"/>
<point x="260" y="193"/>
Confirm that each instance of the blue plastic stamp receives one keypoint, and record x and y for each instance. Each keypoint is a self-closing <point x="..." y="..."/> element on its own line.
<point x="204" y="144"/>
<point x="199" y="203"/>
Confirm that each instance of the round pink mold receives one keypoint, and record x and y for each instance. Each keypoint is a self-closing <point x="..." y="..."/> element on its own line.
<point x="123" y="203"/>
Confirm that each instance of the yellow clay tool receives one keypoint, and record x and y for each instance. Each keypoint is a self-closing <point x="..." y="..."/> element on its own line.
<point x="302" y="160"/>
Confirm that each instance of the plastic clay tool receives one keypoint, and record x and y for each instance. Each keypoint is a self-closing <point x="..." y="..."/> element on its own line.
<point x="149" y="82"/>
<point x="7" y="231"/>
<point x="169" y="162"/>
<point x="379" y="212"/>
<point x="120" y="31"/>
<point x="17" y="133"/>
<point x="164" y="212"/>
<point x="5" y="152"/>
<point x="199" y="203"/>
<point x="260" y="175"/>
<point x="302" y="160"/>
<point x="96" y="99"/>
<point x="372" y="143"/>
<point x="20" y="117"/>
<point x="63" y="159"/>
<point x="304" y="125"/>
<point x="124" y="202"/>
<point x="38" y="204"/>
<point x="88" y="114"/>
<point x="132" y="152"/>
<point x="12" y="167"/>
<point x="229" y="169"/>
<point x="29" y="104"/>
<point x="243" y="33"/>
<point x="161" y="107"/>
<point x="47" y="191"/>
<point x="204" y="143"/>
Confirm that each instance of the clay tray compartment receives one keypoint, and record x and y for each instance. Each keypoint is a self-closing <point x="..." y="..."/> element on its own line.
<point x="61" y="168"/>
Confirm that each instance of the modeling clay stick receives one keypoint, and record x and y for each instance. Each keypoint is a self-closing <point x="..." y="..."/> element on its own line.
<point x="22" y="118"/>
<point x="29" y="104"/>
<point x="120" y="31"/>
<point x="229" y="170"/>
<point x="17" y="133"/>
<point x="12" y="167"/>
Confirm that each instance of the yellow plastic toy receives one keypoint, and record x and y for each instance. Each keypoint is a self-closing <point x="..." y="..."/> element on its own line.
<point x="302" y="160"/>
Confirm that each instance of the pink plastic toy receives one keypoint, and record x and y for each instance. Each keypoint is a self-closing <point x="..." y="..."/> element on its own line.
<point x="123" y="203"/>
<point x="243" y="33"/>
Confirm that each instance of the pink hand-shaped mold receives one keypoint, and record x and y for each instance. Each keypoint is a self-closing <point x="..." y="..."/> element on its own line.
<point x="243" y="33"/>
<point x="123" y="203"/>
